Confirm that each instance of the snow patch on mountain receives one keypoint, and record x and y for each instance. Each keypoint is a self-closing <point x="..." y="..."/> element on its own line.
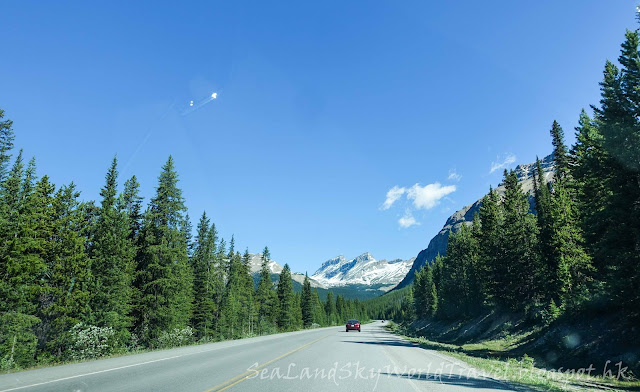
<point x="362" y="270"/>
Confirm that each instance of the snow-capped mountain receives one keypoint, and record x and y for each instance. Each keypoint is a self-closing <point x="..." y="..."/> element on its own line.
<point x="255" y="264"/>
<point x="363" y="270"/>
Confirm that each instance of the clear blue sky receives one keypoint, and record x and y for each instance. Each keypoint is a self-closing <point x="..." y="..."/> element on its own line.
<point x="322" y="107"/>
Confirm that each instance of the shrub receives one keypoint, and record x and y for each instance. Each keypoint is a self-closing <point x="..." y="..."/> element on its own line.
<point x="176" y="337"/>
<point x="90" y="341"/>
<point x="17" y="340"/>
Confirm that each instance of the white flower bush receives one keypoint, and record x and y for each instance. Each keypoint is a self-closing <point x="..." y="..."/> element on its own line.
<point x="90" y="341"/>
<point x="176" y="337"/>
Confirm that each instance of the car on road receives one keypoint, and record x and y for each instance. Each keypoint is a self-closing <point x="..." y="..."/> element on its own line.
<point x="353" y="324"/>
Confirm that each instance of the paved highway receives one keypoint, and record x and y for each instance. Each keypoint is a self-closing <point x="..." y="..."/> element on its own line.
<point x="326" y="359"/>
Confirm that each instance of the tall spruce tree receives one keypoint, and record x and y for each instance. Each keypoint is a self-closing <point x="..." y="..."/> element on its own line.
<point x="307" y="304"/>
<point x="492" y="250"/>
<point x="266" y="297"/>
<point x="67" y="291"/>
<point x="520" y="267"/>
<point x="619" y="123"/>
<point x="164" y="277"/>
<point x="286" y="319"/>
<point x="202" y="264"/>
<point x="112" y="262"/>
<point x="6" y="144"/>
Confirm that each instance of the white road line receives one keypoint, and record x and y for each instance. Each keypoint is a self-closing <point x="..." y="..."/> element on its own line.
<point x="92" y="373"/>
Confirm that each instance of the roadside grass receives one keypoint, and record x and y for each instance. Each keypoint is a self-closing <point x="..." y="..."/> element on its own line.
<point x="490" y="359"/>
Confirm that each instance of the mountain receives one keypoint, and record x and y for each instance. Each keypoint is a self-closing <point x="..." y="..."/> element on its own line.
<point x="255" y="264"/>
<point x="363" y="271"/>
<point x="438" y="244"/>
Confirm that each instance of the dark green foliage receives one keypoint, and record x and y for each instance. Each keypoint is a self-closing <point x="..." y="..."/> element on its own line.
<point x="6" y="144"/>
<point x="266" y="296"/>
<point x="618" y="122"/>
<point x="519" y="267"/>
<point x="204" y="279"/>
<point x="64" y="299"/>
<point x="307" y="303"/>
<point x="287" y="318"/>
<point x="112" y="262"/>
<point x="164" y="278"/>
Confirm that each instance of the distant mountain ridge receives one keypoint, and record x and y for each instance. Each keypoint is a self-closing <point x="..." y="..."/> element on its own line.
<point x="362" y="270"/>
<point x="438" y="244"/>
<point x="255" y="265"/>
<point x="361" y="277"/>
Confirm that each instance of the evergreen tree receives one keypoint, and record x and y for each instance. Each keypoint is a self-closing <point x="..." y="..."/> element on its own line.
<point x="560" y="153"/>
<point x="420" y="292"/>
<point x="164" y="276"/>
<point x="247" y="299"/>
<point x="286" y="310"/>
<point x="64" y="300"/>
<point x="330" y="309"/>
<point x="112" y="262"/>
<point x="307" y="304"/>
<point x="619" y="123"/>
<point x="545" y="222"/>
<point x="202" y="264"/>
<point x="590" y="181"/>
<point x="520" y="268"/>
<point x="319" y="315"/>
<point x="341" y="313"/>
<point x="132" y="205"/>
<point x="266" y="297"/>
<point x="6" y="144"/>
<point x="492" y="251"/>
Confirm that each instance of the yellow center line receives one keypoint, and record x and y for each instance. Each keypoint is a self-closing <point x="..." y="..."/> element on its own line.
<point x="241" y="377"/>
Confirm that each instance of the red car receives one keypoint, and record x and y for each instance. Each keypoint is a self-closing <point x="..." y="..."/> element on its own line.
<point x="353" y="324"/>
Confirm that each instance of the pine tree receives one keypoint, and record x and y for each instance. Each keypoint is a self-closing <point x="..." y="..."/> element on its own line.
<point x="65" y="297"/>
<point x="247" y="299"/>
<point x="164" y="277"/>
<point x="492" y="251"/>
<point x="266" y="297"/>
<point x="619" y="124"/>
<point x="112" y="262"/>
<point x="420" y="292"/>
<point x="6" y="144"/>
<point x="341" y="313"/>
<point x="132" y="205"/>
<point x="545" y="222"/>
<point x="590" y="181"/>
<point x="560" y="153"/>
<point x="202" y="264"/>
<point x="330" y="309"/>
<point x="286" y="319"/>
<point x="319" y="315"/>
<point x="307" y="304"/>
<point x="520" y="267"/>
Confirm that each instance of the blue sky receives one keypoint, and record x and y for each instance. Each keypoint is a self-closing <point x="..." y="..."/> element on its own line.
<point x="322" y="107"/>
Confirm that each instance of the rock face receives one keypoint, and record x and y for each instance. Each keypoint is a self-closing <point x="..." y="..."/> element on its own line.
<point x="438" y="244"/>
<point x="363" y="270"/>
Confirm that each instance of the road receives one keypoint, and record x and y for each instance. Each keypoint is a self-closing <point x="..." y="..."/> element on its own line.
<point x="326" y="359"/>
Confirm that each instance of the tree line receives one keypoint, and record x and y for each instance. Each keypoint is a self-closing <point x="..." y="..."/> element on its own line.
<point x="579" y="247"/>
<point x="81" y="279"/>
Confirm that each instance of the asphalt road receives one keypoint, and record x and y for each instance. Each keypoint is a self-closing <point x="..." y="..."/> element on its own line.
<point x="326" y="359"/>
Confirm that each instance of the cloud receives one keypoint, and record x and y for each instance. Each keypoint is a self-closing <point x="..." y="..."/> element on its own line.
<point x="428" y="196"/>
<point x="454" y="176"/>
<point x="508" y="160"/>
<point x="392" y="196"/>
<point x="407" y="220"/>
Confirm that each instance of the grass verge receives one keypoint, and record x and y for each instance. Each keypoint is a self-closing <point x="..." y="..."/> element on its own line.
<point x="522" y="371"/>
